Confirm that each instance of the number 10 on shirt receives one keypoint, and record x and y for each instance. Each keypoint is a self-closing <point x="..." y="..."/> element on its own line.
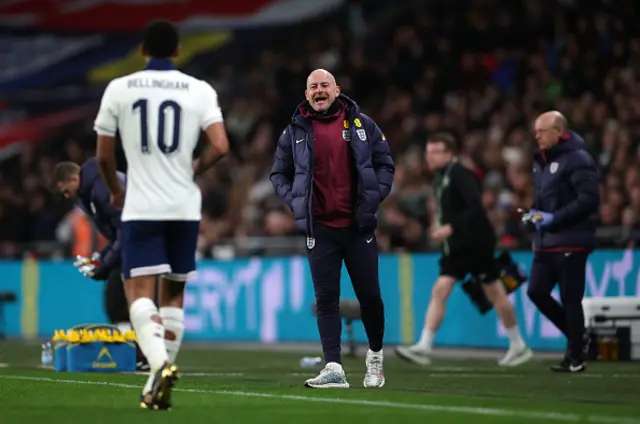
<point x="143" y="105"/>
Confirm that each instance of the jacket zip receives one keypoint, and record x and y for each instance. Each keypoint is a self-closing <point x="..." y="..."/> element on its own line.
<point x="310" y="226"/>
<point x="538" y="194"/>
<point x="353" y="135"/>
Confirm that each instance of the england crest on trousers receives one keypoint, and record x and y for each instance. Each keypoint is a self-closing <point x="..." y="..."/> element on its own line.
<point x="311" y="242"/>
<point x="362" y="134"/>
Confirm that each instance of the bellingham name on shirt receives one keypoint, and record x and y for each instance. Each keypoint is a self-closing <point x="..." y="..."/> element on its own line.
<point x="158" y="83"/>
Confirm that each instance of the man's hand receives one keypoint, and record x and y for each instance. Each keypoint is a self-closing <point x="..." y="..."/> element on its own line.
<point x="442" y="233"/>
<point x="100" y="273"/>
<point x="87" y="266"/>
<point x="541" y="219"/>
<point x="117" y="199"/>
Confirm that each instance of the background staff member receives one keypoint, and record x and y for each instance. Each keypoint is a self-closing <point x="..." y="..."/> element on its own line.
<point x="565" y="209"/>
<point x="468" y="247"/>
<point x="83" y="183"/>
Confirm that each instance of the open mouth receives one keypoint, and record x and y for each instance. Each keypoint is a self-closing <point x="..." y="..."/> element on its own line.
<point x="320" y="99"/>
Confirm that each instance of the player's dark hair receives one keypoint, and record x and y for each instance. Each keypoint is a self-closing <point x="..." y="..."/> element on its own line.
<point x="447" y="139"/>
<point x="160" y="40"/>
<point x="63" y="171"/>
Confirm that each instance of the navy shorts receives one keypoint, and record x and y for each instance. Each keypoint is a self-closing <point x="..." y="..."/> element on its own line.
<point x="159" y="247"/>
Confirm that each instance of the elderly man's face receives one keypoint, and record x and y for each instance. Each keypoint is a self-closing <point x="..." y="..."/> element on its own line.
<point x="547" y="135"/>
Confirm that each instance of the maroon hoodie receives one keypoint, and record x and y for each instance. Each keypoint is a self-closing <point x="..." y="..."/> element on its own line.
<point x="334" y="177"/>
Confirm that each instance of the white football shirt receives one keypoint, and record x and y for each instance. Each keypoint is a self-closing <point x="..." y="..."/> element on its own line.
<point x="160" y="116"/>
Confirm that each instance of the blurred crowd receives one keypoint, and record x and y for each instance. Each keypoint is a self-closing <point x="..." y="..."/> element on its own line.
<point x="481" y="70"/>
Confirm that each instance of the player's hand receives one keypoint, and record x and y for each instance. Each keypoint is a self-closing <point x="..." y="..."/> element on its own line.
<point x="442" y="233"/>
<point x="117" y="199"/>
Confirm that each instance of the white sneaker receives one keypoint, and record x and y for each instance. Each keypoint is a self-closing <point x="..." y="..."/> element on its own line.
<point x="374" y="376"/>
<point x="515" y="357"/>
<point x="416" y="354"/>
<point x="331" y="377"/>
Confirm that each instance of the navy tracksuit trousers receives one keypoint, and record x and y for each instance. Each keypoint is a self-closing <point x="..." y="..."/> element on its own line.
<point x="567" y="269"/>
<point x="359" y="251"/>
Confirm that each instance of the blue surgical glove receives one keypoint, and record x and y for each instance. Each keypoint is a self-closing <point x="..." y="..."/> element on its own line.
<point x="541" y="219"/>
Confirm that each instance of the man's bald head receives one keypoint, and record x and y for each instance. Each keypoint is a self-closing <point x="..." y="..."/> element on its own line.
<point x="320" y="75"/>
<point x="554" y="119"/>
<point x="549" y="128"/>
<point x="322" y="90"/>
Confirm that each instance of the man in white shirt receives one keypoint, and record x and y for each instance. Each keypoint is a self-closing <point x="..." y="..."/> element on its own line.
<point x="160" y="113"/>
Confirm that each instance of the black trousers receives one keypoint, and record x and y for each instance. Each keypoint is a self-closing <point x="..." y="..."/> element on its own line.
<point x="115" y="300"/>
<point x="359" y="251"/>
<point x="567" y="269"/>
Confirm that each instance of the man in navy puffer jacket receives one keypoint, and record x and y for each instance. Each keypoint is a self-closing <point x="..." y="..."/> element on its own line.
<point x="333" y="168"/>
<point x="565" y="213"/>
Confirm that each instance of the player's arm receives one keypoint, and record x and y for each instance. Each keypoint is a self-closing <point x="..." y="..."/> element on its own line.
<point x="215" y="132"/>
<point x="106" y="125"/>
<point x="466" y="184"/>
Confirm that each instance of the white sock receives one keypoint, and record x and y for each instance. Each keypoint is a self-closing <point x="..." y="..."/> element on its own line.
<point x="173" y="320"/>
<point x="515" y="339"/>
<point x="150" y="334"/>
<point x="147" y="385"/>
<point x="426" y="339"/>
<point x="123" y="326"/>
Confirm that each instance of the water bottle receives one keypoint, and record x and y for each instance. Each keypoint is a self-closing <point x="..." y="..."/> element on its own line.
<point x="47" y="354"/>
<point x="310" y="361"/>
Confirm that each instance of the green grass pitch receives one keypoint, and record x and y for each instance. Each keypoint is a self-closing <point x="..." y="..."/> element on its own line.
<point x="238" y="387"/>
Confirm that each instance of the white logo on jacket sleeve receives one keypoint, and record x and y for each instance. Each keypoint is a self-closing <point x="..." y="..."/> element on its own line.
<point x="346" y="135"/>
<point x="362" y="134"/>
<point x="553" y="168"/>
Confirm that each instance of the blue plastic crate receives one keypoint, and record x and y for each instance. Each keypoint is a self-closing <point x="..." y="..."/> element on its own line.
<point x="60" y="356"/>
<point x="101" y="357"/>
<point x="96" y="356"/>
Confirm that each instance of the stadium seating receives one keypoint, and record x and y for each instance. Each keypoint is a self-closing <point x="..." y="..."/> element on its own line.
<point x="417" y="68"/>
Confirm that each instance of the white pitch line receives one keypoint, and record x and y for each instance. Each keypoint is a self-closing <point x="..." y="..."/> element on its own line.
<point x="211" y="374"/>
<point x="425" y="375"/>
<point x="427" y="372"/>
<point x="470" y="410"/>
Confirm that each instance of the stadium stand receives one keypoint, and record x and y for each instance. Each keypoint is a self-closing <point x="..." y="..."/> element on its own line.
<point x="482" y="72"/>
